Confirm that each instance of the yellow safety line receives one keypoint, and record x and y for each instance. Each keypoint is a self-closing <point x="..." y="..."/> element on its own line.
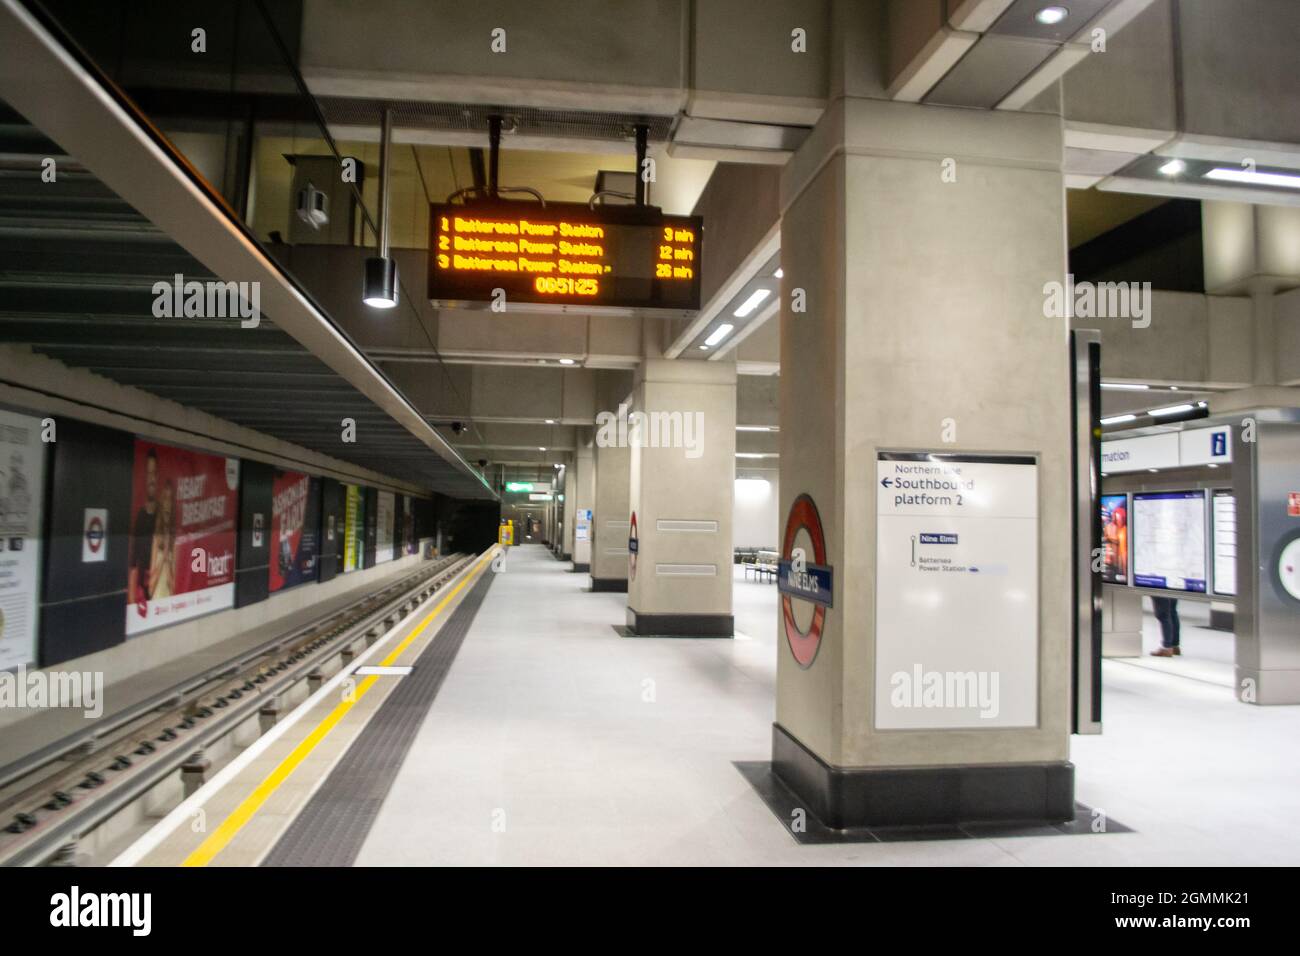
<point x="243" y="813"/>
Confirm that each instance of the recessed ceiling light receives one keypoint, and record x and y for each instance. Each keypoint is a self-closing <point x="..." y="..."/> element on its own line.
<point x="750" y="304"/>
<point x="720" y="333"/>
<point x="539" y="448"/>
<point x="704" y="348"/>
<point x="566" y="361"/>
<point x="1173" y="168"/>
<point x="550" y="421"/>
<point x="1254" y="178"/>
<point x="779" y="273"/>
<point x="1050" y="16"/>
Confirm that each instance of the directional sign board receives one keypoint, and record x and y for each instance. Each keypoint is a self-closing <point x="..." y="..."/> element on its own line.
<point x="957" y="591"/>
<point x="563" y="254"/>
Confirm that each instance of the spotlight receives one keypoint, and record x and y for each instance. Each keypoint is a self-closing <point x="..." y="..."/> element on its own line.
<point x="381" y="283"/>
<point x="1050" y="16"/>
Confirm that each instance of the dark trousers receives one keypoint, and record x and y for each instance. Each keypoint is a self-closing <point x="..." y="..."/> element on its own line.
<point x="1167" y="614"/>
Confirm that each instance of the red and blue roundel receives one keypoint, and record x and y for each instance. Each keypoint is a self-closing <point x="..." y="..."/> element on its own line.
<point x="808" y="581"/>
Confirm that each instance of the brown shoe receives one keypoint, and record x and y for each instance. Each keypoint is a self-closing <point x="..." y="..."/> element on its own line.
<point x="1163" y="652"/>
<point x="1178" y="651"/>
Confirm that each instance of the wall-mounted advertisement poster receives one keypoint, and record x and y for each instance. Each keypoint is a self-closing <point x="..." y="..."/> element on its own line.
<point x="1114" y="539"/>
<point x="354" y="526"/>
<point x="182" y="546"/>
<point x="22" y="483"/>
<point x="295" y="529"/>
<point x="408" y="517"/>
<point x="386" y="514"/>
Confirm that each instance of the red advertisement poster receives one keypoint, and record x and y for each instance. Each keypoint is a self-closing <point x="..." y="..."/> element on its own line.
<point x="295" y="518"/>
<point x="184" y="506"/>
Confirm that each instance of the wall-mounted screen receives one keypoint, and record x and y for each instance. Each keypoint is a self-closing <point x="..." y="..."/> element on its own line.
<point x="1169" y="540"/>
<point x="1224" y="516"/>
<point x="1114" y="539"/>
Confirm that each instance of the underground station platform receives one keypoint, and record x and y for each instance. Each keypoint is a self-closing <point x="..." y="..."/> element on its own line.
<point x="777" y="437"/>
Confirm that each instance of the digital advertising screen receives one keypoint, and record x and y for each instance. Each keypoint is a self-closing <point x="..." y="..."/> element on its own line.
<point x="295" y="529"/>
<point x="184" y="506"/>
<point x="1224" y="515"/>
<point x="1114" y="539"/>
<point x="564" y="254"/>
<point x="1169" y="540"/>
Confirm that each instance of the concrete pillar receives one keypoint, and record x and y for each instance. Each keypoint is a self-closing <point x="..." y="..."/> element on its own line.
<point x="584" y="503"/>
<point x="920" y="240"/>
<point x="682" y="434"/>
<point x="567" y="510"/>
<point x="610" y="519"/>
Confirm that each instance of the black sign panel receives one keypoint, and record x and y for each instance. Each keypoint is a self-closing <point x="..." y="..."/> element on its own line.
<point x="564" y="254"/>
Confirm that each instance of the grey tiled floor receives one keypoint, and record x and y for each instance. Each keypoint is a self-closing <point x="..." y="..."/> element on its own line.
<point x="554" y="741"/>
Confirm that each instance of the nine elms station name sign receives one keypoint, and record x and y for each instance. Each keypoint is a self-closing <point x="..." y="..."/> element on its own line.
<point x="564" y="254"/>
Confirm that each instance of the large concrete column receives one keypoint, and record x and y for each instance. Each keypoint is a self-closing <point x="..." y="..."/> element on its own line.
<point x="584" y="502"/>
<point x="566" y="508"/>
<point x="682" y="433"/>
<point x="920" y="239"/>
<point x="609" y="522"/>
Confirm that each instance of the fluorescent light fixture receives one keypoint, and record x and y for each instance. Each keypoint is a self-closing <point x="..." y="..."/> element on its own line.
<point x="1174" y="167"/>
<point x="1124" y="387"/>
<point x="720" y="333"/>
<point x="566" y="361"/>
<point x="755" y="454"/>
<point x="750" y="304"/>
<point x="1050" y="16"/>
<point x="755" y="428"/>
<point x="1116" y="419"/>
<point x="704" y="348"/>
<point x="779" y="273"/>
<point x="539" y="448"/>
<point x="1169" y="410"/>
<point x="550" y="421"/>
<point x="1280" y="180"/>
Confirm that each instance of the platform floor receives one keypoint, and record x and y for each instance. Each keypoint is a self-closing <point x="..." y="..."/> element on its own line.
<point x="554" y="740"/>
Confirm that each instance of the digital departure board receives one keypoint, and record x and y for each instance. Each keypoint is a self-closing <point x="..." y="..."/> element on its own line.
<point x="564" y="254"/>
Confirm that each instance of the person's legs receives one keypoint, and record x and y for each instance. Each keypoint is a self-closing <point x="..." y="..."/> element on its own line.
<point x="1175" y="626"/>
<point x="1168" y="637"/>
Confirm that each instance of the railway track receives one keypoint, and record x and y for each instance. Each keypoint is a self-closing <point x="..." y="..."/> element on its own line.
<point x="51" y="800"/>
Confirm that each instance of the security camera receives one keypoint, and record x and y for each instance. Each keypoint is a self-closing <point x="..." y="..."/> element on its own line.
<point x="482" y="462"/>
<point x="457" y="427"/>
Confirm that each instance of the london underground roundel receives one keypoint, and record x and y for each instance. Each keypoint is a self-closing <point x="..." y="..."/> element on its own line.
<point x="799" y="578"/>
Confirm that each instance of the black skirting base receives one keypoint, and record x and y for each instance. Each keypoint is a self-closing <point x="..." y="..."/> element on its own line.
<point x="581" y="568"/>
<point x="1222" y="620"/>
<point x="680" y="625"/>
<point x="609" y="584"/>
<point x="843" y="797"/>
